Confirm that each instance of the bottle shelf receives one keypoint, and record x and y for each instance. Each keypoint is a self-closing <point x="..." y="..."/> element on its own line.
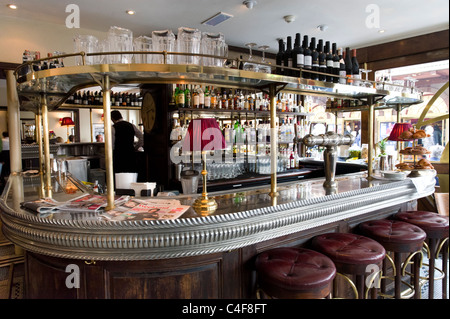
<point x="58" y="84"/>
<point x="228" y="112"/>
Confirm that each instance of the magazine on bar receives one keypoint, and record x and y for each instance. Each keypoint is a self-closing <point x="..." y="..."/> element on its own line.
<point x="84" y="203"/>
<point x="148" y="209"/>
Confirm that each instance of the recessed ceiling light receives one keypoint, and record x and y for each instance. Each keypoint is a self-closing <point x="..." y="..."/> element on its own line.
<point x="381" y="31"/>
<point x="131" y="12"/>
<point x="12" y="6"/>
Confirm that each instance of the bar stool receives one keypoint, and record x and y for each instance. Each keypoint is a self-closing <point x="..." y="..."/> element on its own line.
<point x="398" y="237"/>
<point x="294" y="273"/>
<point x="436" y="228"/>
<point x="352" y="254"/>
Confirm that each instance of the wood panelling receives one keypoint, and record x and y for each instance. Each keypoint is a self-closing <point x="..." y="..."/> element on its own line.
<point x="415" y="50"/>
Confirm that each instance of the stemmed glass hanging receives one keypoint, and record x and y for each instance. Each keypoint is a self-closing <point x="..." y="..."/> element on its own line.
<point x="264" y="68"/>
<point x="250" y="65"/>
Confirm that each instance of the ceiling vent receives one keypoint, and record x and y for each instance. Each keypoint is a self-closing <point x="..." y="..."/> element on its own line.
<point x="218" y="18"/>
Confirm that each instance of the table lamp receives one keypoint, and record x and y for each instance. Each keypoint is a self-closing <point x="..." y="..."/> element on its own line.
<point x="204" y="135"/>
<point x="67" y="121"/>
<point x="398" y="129"/>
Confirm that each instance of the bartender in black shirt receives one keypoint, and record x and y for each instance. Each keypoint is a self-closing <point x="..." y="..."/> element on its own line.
<point x="124" y="149"/>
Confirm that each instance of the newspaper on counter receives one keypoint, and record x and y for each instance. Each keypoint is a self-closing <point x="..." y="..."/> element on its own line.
<point x="84" y="203"/>
<point x="149" y="209"/>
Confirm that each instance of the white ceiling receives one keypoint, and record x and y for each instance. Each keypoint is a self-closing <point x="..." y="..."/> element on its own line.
<point x="346" y="19"/>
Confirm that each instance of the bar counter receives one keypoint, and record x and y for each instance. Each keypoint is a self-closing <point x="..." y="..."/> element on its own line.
<point x="216" y="248"/>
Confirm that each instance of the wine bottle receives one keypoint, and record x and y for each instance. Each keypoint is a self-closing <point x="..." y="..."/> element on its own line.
<point x="298" y="52"/>
<point x="348" y="65"/>
<point x="279" y="57"/>
<point x="295" y="54"/>
<point x="315" y="59"/>
<point x="308" y="58"/>
<point x="336" y="64"/>
<point x="355" y="68"/>
<point x="342" y="72"/>
<point x="329" y="58"/>
<point x="187" y="97"/>
<point x="287" y="57"/>
<point x="195" y="98"/>
<point x="322" y="61"/>
<point x="207" y="99"/>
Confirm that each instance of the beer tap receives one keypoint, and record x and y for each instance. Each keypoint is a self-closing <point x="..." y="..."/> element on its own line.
<point x="330" y="141"/>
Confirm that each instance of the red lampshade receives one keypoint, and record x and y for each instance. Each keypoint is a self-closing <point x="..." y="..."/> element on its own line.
<point x="398" y="129"/>
<point x="67" y="121"/>
<point x="204" y="135"/>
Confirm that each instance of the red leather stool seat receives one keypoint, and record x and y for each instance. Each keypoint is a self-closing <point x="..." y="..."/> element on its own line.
<point x="436" y="226"/>
<point x="394" y="235"/>
<point x="295" y="273"/>
<point x="351" y="252"/>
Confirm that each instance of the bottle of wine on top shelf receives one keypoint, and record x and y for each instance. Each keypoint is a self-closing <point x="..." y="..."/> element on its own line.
<point x="279" y="57"/>
<point x="329" y="61"/>
<point x="315" y="59"/>
<point x="322" y="61"/>
<point x="308" y="58"/>
<point x="287" y="57"/>
<point x="336" y="63"/>
<point x="298" y="58"/>
<point x="348" y="65"/>
<point x="355" y="68"/>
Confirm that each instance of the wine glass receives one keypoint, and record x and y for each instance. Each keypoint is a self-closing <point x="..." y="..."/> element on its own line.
<point x="367" y="84"/>
<point x="250" y="65"/>
<point x="410" y="85"/>
<point x="264" y="68"/>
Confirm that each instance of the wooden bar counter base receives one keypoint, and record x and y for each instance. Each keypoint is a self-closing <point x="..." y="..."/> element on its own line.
<point x="192" y="256"/>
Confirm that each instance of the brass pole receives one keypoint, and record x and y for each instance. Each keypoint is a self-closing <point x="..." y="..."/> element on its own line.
<point x="46" y="147"/>
<point x="15" y="145"/>
<point x="273" y="145"/>
<point x="91" y="125"/>
<point x="38" y="122"/>
<point x="371" y="138"/>
<point x="399" y="120"/>
<point x="108" y="142"/>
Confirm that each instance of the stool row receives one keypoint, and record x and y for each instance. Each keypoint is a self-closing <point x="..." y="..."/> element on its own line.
<point x="301" y="273"/>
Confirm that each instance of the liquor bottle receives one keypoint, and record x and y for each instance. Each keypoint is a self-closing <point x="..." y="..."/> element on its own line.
<point x="201" y="97"/>
<point x="207" y="99"/>
<point x="348" y="65"/>
<point x="308" y="58"/>
<point x="279" y="57"/>
<point x="292" y="161"/>
<point x="195" y="98"/>
<point x="336" y="64"/>
<point x="322" y="61"/>
<point x="355" y="68"/>
<point x="230" y="101"/>
<point x="224" y="100"/>
<point x="287" y="57"/>
<point x="342" y="72"/>
<point x="187" y="97"/>
<point x="315" y="59"/>
<point x="213" y="98"/>
<point x="299" y="56"/>
<point x="181" y="102"/>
